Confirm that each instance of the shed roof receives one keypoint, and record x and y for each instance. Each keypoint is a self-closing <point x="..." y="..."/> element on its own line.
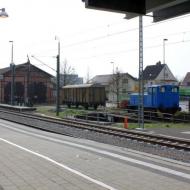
<point x="4" y="70"/>
<point x="83" y="85"/>
<point x="7" y="69"/>
<point x="105" y="79"/>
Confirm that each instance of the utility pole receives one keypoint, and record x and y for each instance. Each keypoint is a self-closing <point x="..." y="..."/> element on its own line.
<point x="164" y="62"/>
<point x="141" y="83"/>
<point x="164" y="40"/>
<point x="12" y="68"/>
<point x="27" y="99"/>
<point x="113" y="75"/>
<point x="58" y="80"/>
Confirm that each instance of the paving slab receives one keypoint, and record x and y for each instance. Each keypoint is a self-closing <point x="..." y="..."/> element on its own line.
<point x="21" y="169"/>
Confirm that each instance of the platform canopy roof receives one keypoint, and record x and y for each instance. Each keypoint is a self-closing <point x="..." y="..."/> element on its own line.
<point x="162" y="9"/>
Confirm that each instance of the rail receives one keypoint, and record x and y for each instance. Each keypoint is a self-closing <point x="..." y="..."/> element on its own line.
<point x="22" y="118"/>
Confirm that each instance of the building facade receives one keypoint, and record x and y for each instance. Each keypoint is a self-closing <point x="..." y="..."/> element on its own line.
<point x="158" y="74"/>
<point x="31" y="85"/>
<point x="118" y="86"/>
<point x="186" y="80"/>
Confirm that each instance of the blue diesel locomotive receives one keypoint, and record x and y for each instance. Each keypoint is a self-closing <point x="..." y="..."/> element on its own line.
<point x="164" y="98"/>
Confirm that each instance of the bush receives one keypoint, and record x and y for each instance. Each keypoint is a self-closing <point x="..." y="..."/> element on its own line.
<point x="123" y="104"/>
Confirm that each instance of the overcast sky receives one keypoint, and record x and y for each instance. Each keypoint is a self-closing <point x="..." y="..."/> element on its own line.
<point x="90" y="39"/>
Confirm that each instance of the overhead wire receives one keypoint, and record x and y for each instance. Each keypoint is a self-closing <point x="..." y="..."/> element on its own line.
<point x="103" y="37"/>
<point x="34" y="57"/>
<point x="122" y="32"/>
<point x="147" y="38"/>
<point x="129" y="50"/>
<point x="124" y="22"/>
<point x="119" y="33"/>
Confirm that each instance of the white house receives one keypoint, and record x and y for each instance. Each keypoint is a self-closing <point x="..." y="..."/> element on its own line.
<point x="158" y="74"/>
<point x="118" y="86"/>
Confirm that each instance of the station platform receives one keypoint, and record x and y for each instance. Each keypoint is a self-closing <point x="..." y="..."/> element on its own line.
<point x="17" y="108"/>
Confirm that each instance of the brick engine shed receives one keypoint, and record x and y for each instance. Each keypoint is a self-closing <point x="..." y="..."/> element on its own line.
<point x="31" y="84"/>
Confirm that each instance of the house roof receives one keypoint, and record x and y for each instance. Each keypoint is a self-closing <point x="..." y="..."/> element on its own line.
<point x="186" y="80"/>
<point x="7" y="69"/>
<point x="105" y="79"/>
<point x="152" y="71"/>
<point x="101" y="79"/>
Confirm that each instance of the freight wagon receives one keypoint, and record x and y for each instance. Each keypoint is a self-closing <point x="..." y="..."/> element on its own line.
<point x="87" y="95"/>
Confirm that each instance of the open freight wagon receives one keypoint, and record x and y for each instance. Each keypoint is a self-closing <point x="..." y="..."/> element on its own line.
<point x="87" y="95"/>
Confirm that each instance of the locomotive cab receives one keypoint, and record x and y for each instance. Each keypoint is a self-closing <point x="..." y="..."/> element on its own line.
<point x="164" y="98"/>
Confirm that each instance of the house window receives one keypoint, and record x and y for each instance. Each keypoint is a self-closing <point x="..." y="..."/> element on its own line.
<point x="166" y="75"/>
<point x="188" y="83"/>
<point x="125" y="81"/>
<point x="124" y="90"/>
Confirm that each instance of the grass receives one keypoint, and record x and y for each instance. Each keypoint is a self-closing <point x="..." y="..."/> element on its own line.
<point x="69" y="112"/>
<point x="65" y="112"/>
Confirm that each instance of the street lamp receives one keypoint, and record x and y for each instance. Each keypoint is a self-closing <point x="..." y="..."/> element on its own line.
<point x="3" y="13"/>
<point x="58" y="78"/>
<point x="164" y="40"/>
<point x="12" y="68"/>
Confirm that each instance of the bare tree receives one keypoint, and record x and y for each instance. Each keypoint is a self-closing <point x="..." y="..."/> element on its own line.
<point x="87" y="79"/>
<point x="66" y="74"/>
<point x="115" y="84"/>
<point x="179" y="79"/>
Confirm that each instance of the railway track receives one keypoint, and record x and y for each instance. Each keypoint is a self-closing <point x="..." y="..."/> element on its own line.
<point x="33" y="120"/>
<point x="150" y="116"/>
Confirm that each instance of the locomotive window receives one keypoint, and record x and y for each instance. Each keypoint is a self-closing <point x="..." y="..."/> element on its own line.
<point x="175" y="89"/>
<point x="162" y="89"/>
<point x="149" y="90"/>
<point x="154" y="90"/>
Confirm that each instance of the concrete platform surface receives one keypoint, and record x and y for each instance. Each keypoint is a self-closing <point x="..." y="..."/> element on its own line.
<point x="36" y="160"/>
<point x="17" y="107"/>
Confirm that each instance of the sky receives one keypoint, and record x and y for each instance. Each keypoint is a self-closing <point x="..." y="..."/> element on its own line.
<point x="92" y="42"/>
